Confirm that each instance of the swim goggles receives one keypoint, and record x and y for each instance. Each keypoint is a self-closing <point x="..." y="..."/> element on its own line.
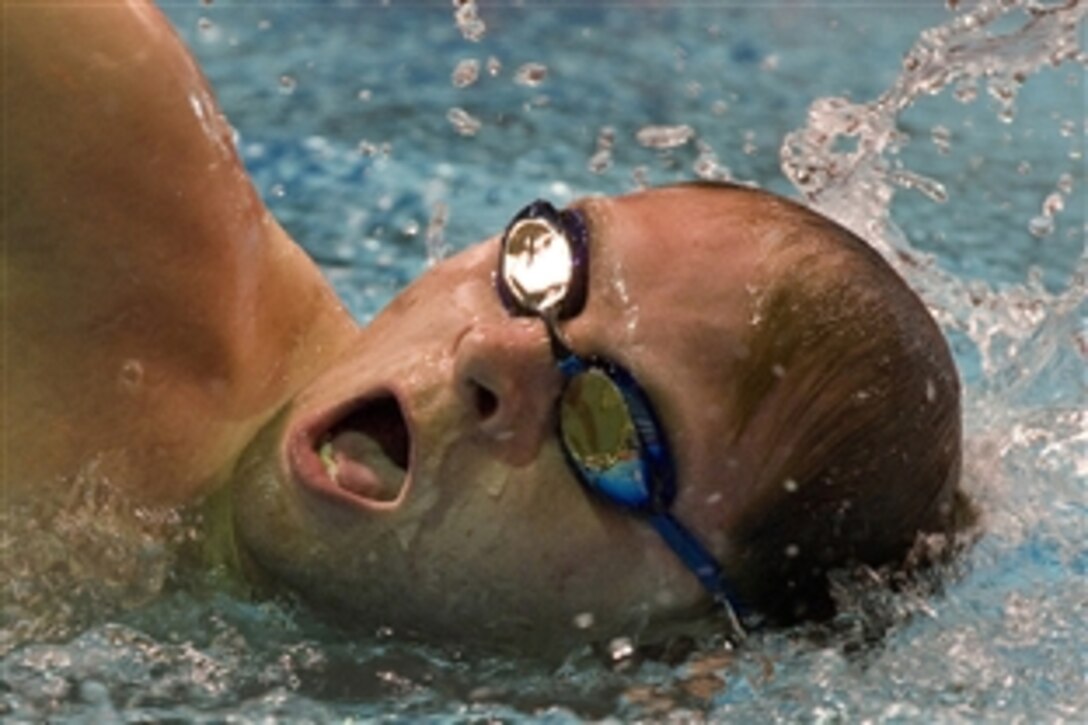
<point x="608" y="430"/>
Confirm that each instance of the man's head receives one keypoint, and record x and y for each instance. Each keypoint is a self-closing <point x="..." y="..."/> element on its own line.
<point x="809" y="402"/>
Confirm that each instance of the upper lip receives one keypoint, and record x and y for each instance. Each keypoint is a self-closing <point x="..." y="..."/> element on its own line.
<point x="305" y="439"/>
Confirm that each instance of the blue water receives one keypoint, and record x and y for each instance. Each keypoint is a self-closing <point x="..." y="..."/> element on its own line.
<point x="342" y="112"/>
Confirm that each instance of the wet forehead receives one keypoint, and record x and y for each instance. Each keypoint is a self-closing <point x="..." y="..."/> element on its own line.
<point x="670" y="256"/>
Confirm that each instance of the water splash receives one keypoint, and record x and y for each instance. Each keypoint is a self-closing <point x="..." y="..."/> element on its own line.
<point x="845" y="163"/>
<point x="844" y="159"/>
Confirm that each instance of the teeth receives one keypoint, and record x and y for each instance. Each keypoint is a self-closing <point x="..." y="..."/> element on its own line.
<point x="328" y="457"/>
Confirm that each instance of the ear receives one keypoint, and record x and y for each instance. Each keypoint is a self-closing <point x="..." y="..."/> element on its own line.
<point x="159" y="312"/>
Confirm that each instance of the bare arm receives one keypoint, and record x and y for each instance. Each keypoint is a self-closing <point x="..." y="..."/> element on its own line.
<point x="154" y="312"/>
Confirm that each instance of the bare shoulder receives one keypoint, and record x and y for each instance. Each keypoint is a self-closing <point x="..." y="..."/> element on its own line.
<point x="152" y="308"/>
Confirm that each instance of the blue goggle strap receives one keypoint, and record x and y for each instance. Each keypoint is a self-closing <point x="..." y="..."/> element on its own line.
<point x="702" y="564"/>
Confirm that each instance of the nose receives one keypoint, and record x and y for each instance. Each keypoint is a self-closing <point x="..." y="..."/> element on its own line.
<point x="508" y="380"/>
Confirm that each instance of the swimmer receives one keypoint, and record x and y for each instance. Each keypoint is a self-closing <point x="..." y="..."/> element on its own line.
<point x="627" y="412"/>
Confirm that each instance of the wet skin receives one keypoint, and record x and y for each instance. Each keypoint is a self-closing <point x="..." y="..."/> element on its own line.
<point x="492" y="533"/>
<point x="175" y="342"/>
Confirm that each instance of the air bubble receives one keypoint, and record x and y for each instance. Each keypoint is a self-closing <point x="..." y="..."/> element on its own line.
<point x="494" y="66"/>
<point x="790" y="485"/>
<point x="792" y="551"/>
<point x="364" y="94"/>
<point x="288" y="84"/>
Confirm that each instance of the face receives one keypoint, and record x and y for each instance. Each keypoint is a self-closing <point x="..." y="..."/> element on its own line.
<point x="420" y="483"/>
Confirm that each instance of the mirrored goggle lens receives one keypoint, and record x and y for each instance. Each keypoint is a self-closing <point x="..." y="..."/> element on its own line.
<point x="537" y="264"/>
<point x="599" y="435"/>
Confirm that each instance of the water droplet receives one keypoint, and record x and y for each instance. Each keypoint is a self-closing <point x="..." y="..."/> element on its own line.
<point x="1041" y="226"/>
<point x="790" y="485"/>
<point x="792" y="551"/>
<point x="966" y="91"/>
<point x="494" y="66"/>
<point x="706" y="164"/>
<point x="942" y="138"/>
<point x="277" y="191"/>
<point x="364" y="94"/>
<point x="288" y="84"/>
<point x="465" y="73"/>
<point x="468" y="20"/>
<point x="531" y="74"/>
<point x="132" y="374"/>
<point x="435" y="237"/>
<point x="932" y="188"/>
<point x="601" y="159"/>
<point x="620" y="649"/>
<point x="1053" y="204"/>
<point x="584" y="620"/>
<point x="463" y="122"/>
<point x="496" y="487"/>
<point x="665" y="137"/>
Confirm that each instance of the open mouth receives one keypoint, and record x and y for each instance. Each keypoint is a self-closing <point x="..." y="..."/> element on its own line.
<point x="359" y="453"/>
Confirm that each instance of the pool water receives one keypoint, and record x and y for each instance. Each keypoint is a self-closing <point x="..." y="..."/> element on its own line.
<point x="384" y="135"/>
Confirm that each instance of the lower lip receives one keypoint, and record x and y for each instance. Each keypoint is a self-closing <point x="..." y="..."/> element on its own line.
<point x="308" y="471"/>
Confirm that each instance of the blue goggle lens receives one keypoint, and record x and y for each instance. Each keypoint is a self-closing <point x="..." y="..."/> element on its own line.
<point x="600" y="438"/>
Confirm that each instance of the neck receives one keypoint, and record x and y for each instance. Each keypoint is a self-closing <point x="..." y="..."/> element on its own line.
<point x="220" y="559"/>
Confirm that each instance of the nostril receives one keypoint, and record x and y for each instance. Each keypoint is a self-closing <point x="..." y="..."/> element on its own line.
<point x="486" y="401"/>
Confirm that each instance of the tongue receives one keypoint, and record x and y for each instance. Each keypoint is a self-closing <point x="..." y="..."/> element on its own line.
<point x="363" y="467"/>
